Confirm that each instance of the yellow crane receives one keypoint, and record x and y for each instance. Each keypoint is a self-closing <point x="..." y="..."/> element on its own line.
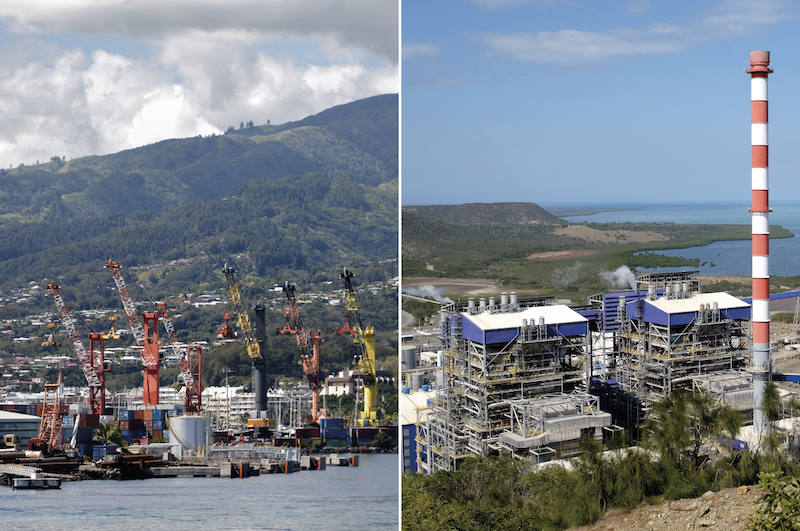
<point x="364" y="340"/>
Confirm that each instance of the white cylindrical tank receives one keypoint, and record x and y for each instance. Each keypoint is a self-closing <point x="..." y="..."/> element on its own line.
<point x="193" y="432"/>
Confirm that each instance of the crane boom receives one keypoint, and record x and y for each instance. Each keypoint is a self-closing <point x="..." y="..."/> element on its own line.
<point x="137" y="328"/>
<point x="308" y="361"/>
<point x="145" y="331"/>
<point x="193" y="394"/>
<point x="90" y="370"/>
<point x="242" y="318"/>
<point x="364" y="340"/>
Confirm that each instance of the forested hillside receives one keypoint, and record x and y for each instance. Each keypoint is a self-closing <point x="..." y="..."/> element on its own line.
<point x="358" y="138"/>
<point x="294" y="202"/>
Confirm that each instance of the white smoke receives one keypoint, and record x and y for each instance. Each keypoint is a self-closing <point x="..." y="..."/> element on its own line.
<point x="428" y="291"/>
<point x="621" y="278"/>
<point x="566" y="277"/>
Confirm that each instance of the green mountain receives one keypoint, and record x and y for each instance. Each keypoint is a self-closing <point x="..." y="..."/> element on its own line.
<point x="276" y="201"/>
<point x="358" y="138"/>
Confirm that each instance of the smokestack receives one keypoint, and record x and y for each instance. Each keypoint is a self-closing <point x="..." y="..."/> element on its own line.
<point x="759" y="70"/>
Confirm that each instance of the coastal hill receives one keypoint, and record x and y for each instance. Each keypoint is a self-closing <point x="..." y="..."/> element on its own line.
<point x="488" y="214"/>
<point x="358" y="138"/>
<point x="523" y="247"/>
<point x="274" y="201"/>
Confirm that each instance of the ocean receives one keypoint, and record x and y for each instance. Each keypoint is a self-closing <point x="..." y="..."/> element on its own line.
<point x="364" y="497"/>
<point x="719" y="258"/>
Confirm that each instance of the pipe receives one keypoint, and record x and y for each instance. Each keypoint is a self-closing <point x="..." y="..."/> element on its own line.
<point x="759" y="70"/>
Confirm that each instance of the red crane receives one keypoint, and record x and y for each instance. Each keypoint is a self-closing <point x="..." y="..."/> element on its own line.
<point x="189" y="359"/>
<point x="145" y="331"/>
<point x="226" y="332"/>
<point x="308" y="360"/>
<point x="92" y="363"/>
<point x="190" y="367"/>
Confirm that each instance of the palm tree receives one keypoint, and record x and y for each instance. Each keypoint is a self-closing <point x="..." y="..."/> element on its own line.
<point x="108" y="433"/>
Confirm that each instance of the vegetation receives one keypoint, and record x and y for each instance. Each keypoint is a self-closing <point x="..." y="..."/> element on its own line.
<point x="780" y="504"/>
<point x="108" y="433"/>
<point x="293" y="202"/>
<point x="358" y="138"/>
<point x="676" y="461"/>
<point x="450" y="243"/>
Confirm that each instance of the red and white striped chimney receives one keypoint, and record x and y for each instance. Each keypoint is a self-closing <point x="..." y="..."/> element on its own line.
<point x="759" y="70"/>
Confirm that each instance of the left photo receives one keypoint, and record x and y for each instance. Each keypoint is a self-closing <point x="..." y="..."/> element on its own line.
<point x="199" y="264"/>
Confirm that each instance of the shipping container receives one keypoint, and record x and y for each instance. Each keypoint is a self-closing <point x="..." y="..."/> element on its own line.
<point x="100" y="450"/>
<point x="305" y="433"/>
<point x="158" y="424"/>
<point x="334" y="433"/>
<point x="331" y="423"/>
<point x="90" y="420"/>
<point x="125" y="414"/>
<point x="336" y="443"/>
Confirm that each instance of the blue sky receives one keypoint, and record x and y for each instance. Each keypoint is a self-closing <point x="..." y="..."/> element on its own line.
<point x="91" y="77"/>
<point x="582" y="101"/>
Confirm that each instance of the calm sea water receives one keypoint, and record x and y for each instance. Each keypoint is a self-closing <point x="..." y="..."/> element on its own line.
<point x="719" y="258"/>
<point x="364" y="497"/>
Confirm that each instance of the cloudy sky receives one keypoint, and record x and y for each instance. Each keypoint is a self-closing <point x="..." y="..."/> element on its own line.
<point x="580" y="101"/>
<point x="91" y="77"/>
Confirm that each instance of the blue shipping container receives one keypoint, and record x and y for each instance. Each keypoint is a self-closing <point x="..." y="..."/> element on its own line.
<point x="99" y="452"/>
<point x="125" y="414"/>
<point x="331" y="423"/>
<point x="158" y="424"/>
<point x="334" y="433"/>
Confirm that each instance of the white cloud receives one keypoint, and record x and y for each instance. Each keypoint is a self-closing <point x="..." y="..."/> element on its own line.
<point x="206" y="70"/>
<point x="412" y="50"/>
<point x="567" y="46"/>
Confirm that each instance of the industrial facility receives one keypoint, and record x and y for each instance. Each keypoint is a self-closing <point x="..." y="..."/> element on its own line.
<point x="531" y="378"/>
<point x="197" y="425"/>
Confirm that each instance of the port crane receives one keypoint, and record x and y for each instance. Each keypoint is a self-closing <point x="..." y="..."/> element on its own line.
<point x="145" y="331"/>
<point x="308" y="360"/>
<point x="50" y="428"/>
<point x="92" y="363"/>
<point x="189" y="361"/>
<point x="252" y="345"/>
<point x="364" y="340"/>
<point x="226" y="332"/>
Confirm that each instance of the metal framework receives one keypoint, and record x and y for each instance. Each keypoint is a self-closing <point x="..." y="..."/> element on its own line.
<point x="542" y="426"/>
<point x="658" y="359"/>
<point x="145" y="331"/>
<point x="364" y="340"/>
<point x="242" y="318"/>
<point x="92" y="370"/>
<point x="191" y="380"/>
<point x="481" y="381"/>
<point x="50" y="431"/>
<point x="309" y="360"/>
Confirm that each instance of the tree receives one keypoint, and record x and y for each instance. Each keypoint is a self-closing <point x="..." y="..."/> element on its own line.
<point x="241" y="125"/>
<point x="383" y="441"/>
<point x="108" y="433"/>
<point x="779" y="507"/>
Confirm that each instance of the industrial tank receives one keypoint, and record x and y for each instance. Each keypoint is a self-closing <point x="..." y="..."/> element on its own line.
<point x="409" y="358"/>
<point x="193" y="432"/>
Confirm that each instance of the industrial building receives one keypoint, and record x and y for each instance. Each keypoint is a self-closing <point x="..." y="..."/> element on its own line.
<point x="532" y="378"/>
<point x="514" y="382"/>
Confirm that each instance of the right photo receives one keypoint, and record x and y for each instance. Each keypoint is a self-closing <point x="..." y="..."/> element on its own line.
<point x="600" y="308"/>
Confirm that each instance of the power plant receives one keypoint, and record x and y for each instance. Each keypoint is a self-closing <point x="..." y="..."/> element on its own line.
<point x="531" y="378"/>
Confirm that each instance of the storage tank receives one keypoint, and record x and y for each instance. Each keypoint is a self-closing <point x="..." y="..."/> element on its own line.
<point x="193" y="432"/>
<point x="409" y="359"/>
